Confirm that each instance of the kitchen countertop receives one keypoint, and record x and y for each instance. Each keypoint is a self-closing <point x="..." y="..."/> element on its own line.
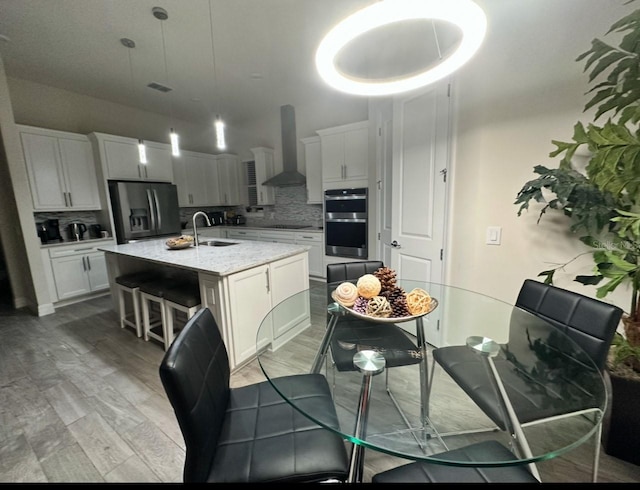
<point x="220" y="261"/>
<point x="310" y="229"/>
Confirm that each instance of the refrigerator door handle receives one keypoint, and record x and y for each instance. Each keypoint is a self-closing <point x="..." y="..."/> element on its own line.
<point x="158" y="213"/>
<point x="152" y="209"/>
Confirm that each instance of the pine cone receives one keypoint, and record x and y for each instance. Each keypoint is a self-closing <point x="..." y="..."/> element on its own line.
<point x="360" y="306"/>
<point x="387" y="278"/>
<point x="398" y="301"/>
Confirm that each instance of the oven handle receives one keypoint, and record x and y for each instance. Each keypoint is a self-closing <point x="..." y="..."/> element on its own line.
<point x="349" y="197"/>
<point x="345" y="220"/>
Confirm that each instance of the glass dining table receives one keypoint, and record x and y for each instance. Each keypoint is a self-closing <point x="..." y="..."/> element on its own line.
<point x="417" y="411"/>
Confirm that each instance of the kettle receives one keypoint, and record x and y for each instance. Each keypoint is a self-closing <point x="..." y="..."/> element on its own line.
<point x="76" y="231"/>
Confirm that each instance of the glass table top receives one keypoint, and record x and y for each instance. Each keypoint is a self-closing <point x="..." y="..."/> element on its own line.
<point x="418" y="411"/>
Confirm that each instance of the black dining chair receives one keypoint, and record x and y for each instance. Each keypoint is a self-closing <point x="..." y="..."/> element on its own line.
<point x="423" y="472"/>
<point x="248" y="433"/>
<point x="397" y="347"/>
<point x="589" y="322"/>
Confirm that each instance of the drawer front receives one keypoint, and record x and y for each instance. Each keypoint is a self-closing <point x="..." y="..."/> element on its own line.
<point x="276" y="236"/>
<point x="72" y="250"/>
<point x="309" y="237"/>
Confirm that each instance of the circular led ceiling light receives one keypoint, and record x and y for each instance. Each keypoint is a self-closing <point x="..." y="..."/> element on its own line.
<point x="465" y="14"/>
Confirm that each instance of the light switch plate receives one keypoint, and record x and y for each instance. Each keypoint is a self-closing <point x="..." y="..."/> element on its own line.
<point x="494" y="235"/>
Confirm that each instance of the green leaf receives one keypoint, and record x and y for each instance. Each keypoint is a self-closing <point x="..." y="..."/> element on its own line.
<point x="588" y="280"/>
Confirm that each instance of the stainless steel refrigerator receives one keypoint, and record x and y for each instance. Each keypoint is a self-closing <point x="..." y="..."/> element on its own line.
<point x="143" y="210"/>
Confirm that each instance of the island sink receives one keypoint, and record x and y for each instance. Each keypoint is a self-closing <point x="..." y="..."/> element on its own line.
<point x="217" y="243"/>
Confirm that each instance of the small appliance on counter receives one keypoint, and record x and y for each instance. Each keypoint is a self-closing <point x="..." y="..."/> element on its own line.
<point x="49" y="231"/>
<point x="216" y="217"/>
<point x="76" y="231"/>
<point x="95" y="231"/>
<point x="239" y="220"/>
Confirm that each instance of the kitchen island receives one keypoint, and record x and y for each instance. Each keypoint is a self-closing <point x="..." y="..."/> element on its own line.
<point x="240" y="282"/>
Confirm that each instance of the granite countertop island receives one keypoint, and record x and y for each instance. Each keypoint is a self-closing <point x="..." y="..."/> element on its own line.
<point x="216" y="260"/>
<point x="239" y="283"/>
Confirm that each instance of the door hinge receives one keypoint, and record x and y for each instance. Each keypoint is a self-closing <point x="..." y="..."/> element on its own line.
<point x="443" y="172"/>
<point x="379" y="131"/>
<point x="449" y="90"/>
<point x="441" y="253"/>
<point x="378" y="236"/>
<point x="438" y="325"/>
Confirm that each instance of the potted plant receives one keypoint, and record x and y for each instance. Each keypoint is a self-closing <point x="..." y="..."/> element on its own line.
<point x="602" y="202"/>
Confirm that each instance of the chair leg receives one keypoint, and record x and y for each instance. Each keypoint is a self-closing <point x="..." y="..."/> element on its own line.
<point x="121" y="305"/>
<point x="136" y="311"/>
<point x="145" y="316"/>
<point x="168" y="316"/>
<point x="596" y="460"/>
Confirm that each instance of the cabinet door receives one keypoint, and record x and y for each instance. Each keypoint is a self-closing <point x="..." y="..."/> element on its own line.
<point x="122" y="160"/>
<point x="356" y="154"/>
<point x="264" y="169"/>
<point x="180" y="180"/>
<point x="288" y="277"/>
<point x="159" y="166"/>
<point x="228" y="180"/>
<point x="250" y="302"/>
<point x="44" y="168"/>
<point x="332" y="150"/>
<point x="190" y="176"/>
<point x="70" y="276"/>
<point x="313" y="165"/>
<point x="316" y="253"/>
<point x="96" y="265"/>
<point x="212" y="177"/>
<point x="80" y="174"/>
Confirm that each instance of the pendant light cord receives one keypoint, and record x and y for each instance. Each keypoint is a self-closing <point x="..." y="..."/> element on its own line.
<point x="213" y="58"/>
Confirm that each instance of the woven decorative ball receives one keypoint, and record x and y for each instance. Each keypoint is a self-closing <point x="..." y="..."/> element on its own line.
<point x="346" y="294"/>
<point x="368" y="286"/>
<point x="418" y="301"/>
<point x="379" y="307"/>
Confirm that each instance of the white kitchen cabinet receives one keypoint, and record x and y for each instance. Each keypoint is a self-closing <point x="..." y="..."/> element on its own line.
<point x="313" y="165"/>
<point x="258" y="171"/>
<point x="316" y="252"/>
<point x="229" y="179"/>
<point x="240" y="303"/>
<point x="195" y="174"/>
<point x="120" y="159"/>
<point x="277" y="236"/>
<point x="212" y="232"/>
<point x="345" y="155"/>
<point x="78" y="270"/>
<point x="61" y="170"/>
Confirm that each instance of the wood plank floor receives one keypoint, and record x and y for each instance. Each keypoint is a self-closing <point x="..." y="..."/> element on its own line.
<point x="81" y="401"/>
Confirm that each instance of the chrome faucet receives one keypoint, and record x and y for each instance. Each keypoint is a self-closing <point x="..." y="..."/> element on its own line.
<point x="195" y="229"/>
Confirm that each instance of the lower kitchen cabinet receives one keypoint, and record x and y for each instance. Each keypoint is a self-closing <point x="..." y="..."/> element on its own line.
<point x="241" y="302"/>
<point x="316" y="252"/>
<point x="243" y="234"/>
<point x="77" y="270"/>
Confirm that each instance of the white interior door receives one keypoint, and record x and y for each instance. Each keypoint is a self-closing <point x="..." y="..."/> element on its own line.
<point x="419" y="165"/>
<point x="384" y="152"/>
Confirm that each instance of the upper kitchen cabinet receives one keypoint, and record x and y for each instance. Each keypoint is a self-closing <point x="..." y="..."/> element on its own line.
<point x="229" y="179"/>
<point x="258" y="171"/>
<point x="61" y="169"/>
<point x="345" y="155"/>
<point x="313" y="165"/>
<point x="120" y="159"/>
<point x="195" y="176"/>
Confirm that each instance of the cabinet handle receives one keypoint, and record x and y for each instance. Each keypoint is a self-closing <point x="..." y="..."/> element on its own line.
<point x="261" y="200"/>
<point x="84" y="265"/>
<point x="139" y="172"/>
<point x="89" y="263"/>
<point x="70" y="201"/>
<point x="146" y="176"/>
<point x="268" y="285"/>
<point x="309" y="237"/>
<point x="65" y="199"/>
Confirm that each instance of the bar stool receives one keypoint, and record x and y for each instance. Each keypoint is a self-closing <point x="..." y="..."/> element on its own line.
<point x="153" y="292"/>
<point x="130" y="284"/>
<point x="184" y="297"/>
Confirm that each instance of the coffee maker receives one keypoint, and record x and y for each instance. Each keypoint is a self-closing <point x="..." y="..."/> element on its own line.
<point x="49" y="231"/>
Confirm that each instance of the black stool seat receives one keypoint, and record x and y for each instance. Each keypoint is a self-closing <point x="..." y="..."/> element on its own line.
<point x="155" y="287"/>
<point x="135" y="279"/>
<point x="185" y="294"/>
<point x="422" y="472"/>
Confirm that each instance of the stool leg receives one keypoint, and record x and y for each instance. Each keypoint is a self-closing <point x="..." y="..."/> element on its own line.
<point x="136" y="310"/>
<point x="145" y="316"/>
<point x="121" y="306"/>
<point x="168" y="315"/>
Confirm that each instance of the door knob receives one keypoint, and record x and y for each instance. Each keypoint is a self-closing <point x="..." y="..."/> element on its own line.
<point x="395" y="244"/>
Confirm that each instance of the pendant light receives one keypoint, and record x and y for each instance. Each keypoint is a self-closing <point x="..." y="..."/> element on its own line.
<point x="465" y="14"/>
<point x="130" y="44"/>
<point x="162" y="15"/>
<point x="219" y="125"/>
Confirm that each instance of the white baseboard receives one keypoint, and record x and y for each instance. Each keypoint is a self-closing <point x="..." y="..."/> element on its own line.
<point x="46" y="309"/>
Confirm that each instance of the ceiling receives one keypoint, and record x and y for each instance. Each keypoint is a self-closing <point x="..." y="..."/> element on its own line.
<point x="245" y="58"/>
<point x="233" y="57"/>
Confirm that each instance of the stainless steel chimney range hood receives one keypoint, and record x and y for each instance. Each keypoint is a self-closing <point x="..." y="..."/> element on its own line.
<point x="290" y="175"/>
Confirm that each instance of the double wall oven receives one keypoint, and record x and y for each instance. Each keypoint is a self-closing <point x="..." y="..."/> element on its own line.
<point x="346" y="223"/>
